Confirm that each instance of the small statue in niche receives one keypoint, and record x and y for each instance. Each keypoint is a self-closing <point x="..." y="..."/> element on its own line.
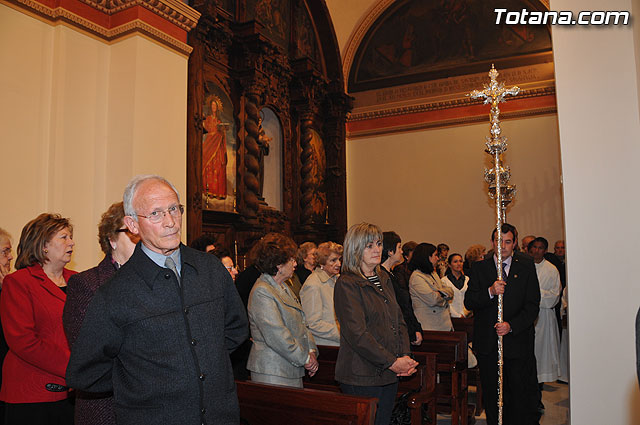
<point x="263" y="145"/>
<point x="214" y="151"/>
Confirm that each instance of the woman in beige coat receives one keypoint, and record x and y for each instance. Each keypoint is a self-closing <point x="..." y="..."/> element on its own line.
<point x="429" y="296"/>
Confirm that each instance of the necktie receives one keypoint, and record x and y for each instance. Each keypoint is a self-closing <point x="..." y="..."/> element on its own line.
<point x="170" y="264"/>
<point x="504" y="271"/>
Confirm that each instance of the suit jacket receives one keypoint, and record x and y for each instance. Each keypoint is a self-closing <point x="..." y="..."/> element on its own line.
<point x="91" y="408"/>
<point x="281" y="338"/>
<point x="162" y="345"/>
<point x="31" y="308"/>
<point x="521" y="303"/>
<point x="372" y="331"/>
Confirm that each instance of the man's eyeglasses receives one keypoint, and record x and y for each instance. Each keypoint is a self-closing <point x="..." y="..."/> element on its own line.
<point x="157" y="216"/>
<point x="5" y="252"/>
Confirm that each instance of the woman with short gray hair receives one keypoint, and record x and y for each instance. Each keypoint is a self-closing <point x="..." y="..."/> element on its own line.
<point x="5" y="254"/>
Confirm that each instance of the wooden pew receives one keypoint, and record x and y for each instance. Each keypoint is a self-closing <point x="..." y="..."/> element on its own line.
<point x="262" y="404"/>
<point x="465" y="324"/>
<point x="451" y="389"/>
<point x="424" y="381"/>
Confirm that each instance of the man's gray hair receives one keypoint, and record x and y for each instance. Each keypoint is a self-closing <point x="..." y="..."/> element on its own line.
<point x="4" y="235"/>
<point x="132" y="187"/>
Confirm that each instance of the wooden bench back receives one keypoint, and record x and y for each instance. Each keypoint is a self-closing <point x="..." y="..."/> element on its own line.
<point x="262" y="404"/>
<point x="451" y="347"/>
<point x="326" y="371"/>
<point x="427" y="367"/>
<point x="464" y="324"/>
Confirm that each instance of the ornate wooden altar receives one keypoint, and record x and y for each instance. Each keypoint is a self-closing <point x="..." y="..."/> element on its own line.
<point x="249" y="55"/>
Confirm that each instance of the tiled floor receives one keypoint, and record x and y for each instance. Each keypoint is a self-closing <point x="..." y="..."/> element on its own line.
<point x="555" y="398"/>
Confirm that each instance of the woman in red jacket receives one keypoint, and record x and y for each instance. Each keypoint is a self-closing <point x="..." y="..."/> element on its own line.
<point x="33" y="385"/>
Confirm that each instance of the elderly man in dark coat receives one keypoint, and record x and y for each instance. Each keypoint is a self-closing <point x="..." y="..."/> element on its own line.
<point x="159" y="333"/>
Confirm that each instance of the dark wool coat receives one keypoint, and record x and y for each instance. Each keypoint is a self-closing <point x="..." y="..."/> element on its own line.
<point x="403" y="298"/>
<point x="91" y="408"/>
<point x="162" y="346"/>
<point x="372" y="331"/>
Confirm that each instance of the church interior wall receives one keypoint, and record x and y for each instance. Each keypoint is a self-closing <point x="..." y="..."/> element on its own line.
<point x="346" y="19"/>
<point x="80" y="117"/>
<point x="429" y="186"/>
<point x="596" y="77"/>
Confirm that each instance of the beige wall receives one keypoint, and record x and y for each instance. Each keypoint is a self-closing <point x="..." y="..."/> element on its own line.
<point x="429" y="185"/>
<point x="347" y="15"/>
<point x="79" y="118"/>
<point x="596" y="76"/>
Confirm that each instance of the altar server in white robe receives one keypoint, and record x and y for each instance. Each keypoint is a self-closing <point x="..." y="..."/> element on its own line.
<point x="547" y="342"/>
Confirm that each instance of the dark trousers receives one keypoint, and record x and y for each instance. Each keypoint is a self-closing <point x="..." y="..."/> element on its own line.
<point x="386" y="395"/>
<point x="520" y="389"/>
<point x="51" y="413"/>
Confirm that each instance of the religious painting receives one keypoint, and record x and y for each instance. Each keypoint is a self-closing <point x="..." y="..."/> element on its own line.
<point x="218" y="150"/>
<point x="420" y="40"/>
<point x="317" y="174"/>
<point x="305" y="34"/>
<point x="274" y="15"/>
<point x="270" y="143"/>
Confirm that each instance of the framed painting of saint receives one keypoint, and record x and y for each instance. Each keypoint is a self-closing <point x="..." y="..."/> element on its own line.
<point x="218" y="151"/>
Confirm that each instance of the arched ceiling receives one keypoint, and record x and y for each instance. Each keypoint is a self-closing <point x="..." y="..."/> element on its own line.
<point x="417" y="40"/>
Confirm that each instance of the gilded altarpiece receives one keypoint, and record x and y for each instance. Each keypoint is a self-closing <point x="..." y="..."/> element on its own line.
<point x="250" y="55"/>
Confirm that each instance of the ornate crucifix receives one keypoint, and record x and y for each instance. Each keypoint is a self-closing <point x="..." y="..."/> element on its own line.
<point x="499" y="189"/>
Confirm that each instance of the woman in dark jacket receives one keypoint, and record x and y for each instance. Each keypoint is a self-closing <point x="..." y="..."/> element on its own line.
<point x="117" y="244"/>
<point x="374" y="343"/>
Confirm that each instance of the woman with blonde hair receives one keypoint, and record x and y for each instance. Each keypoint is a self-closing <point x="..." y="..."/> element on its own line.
<point x="317" y="295"/>
<point x="474" y="253"/>
<point x="33" y="383"/>
<point x="374" y="344"/>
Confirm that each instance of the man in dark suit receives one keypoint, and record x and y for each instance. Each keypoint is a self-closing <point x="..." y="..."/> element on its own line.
<point x="521" y="303"/>
<point x="159" y="333"/>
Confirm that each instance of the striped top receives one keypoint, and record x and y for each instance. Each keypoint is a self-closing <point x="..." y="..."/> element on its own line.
<point x="375" y="280"/>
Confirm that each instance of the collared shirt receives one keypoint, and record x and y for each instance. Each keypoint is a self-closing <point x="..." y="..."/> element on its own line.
<point x="159" y="259"/>
<point x="459" y="282"/>
<point x="506" y="266"/>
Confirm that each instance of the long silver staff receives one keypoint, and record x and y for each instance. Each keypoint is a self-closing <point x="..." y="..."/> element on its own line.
<point x="499" y="190"/>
